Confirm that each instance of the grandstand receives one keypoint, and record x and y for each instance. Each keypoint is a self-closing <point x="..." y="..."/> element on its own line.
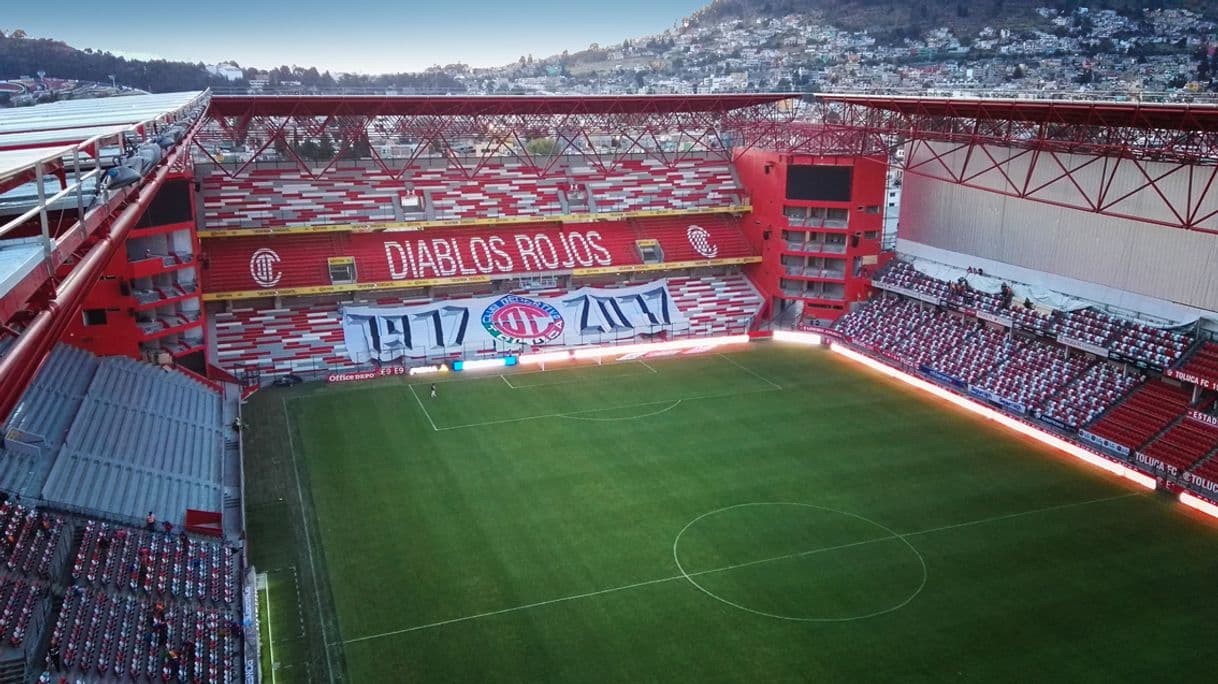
<point x="164" y="262"/>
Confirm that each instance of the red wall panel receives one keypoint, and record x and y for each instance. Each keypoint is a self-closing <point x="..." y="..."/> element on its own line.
<point x="286" y="261"/>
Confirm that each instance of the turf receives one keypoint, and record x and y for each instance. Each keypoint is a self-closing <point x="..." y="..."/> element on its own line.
<point x="834" y="525"/>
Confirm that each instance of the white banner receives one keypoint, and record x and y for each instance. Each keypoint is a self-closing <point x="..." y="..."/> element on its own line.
<point x="509" y="322"/>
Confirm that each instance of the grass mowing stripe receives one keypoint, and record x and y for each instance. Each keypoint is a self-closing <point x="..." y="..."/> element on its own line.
<point x="736" y="566"/>
<point x="308" y="539"/>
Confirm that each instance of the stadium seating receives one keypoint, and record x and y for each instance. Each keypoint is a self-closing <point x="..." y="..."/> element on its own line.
<point x="1203" y="363"/>
<point x="306" y="336"/>
<point x="977" y="354"/>
<point x="283" y="195"/>
<point x="1088" y="395"/>
<point x="48" y="406"/>
<point x="156" y="563"/>
<point x="1135" y="341"/>
<point x="19" y="601"/>
<point x="914" y="334"/>
<point x="117" y="637"/>
<point x="1147" y="411"/>
<point x="1033" y="372"/>
<point x="143" y="439"/>
<point x="1183" y="444"/>
<point x="28" y="539"/>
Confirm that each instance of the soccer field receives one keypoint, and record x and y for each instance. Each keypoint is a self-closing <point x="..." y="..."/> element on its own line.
<point x="768" y="514"/>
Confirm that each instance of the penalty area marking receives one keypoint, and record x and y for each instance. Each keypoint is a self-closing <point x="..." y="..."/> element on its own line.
<point x="610" y="420"/>
<point x="661" y="580"/>
<point x="425" y="411"/>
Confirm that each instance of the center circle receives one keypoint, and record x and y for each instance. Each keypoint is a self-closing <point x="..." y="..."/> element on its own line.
<point x="799" y="562"/>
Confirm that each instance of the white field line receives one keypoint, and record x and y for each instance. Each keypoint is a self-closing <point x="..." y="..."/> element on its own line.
<point x="505" y="381"/>
<point x="666" y="409"/>
<point x="270" y="631"/>
<point x="727" y="568"/>
<point x="751" y="372"/>
<point x="425" y="412"/>
<point x="575" y="414"/>
<point x="648" y="366"/>
<point x="572" y="381"/>
<point x="308" y="540"/>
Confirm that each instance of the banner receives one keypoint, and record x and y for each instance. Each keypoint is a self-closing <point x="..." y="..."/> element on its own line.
<point x="1192" y="378"/>
<point x="942" y="377"/>
<point x="509" y="322"/>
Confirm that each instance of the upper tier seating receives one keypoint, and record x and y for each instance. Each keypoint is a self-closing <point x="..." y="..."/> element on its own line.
<point x="1033" y="372"/>
<point x="49" y="404"/>
<point x="1092" y="392"/>
<point x="1147" y="411"/>
<point x="914" y="334"/>
<point x="1203" y="363"/>
<point x="284" y="196"/>
<point x="1184" y="443"/>
<point x="1133" y="340"/>
<point x="303" y="336"/>
<point x="143" y="439"/>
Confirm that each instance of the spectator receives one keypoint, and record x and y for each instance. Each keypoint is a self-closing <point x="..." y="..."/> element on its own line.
<point x="150" y="521"/>
<point x="1027" y="303"/>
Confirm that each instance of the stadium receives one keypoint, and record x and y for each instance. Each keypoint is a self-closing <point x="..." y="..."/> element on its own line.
<point x="607" y="388"/>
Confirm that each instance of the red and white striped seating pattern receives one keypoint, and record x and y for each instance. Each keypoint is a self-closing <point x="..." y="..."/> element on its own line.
<point x="1092" y="392"/>
<point x="976" y="355"/>
<point x="28" y="539"/>
<point x="914" y="334"/>
<point x="1033" y="372"/>
<point x="18" y="600"/>
<point x="196" y="569"/>
<point x="309" y="336"/>
<point x="111" y="638"/>
<point x="273" y="196"/>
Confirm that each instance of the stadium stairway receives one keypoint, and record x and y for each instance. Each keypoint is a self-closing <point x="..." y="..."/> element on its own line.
<point x="1143" y="415"/>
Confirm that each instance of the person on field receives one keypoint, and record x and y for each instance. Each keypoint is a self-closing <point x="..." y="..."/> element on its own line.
<point x="433" y="390"/>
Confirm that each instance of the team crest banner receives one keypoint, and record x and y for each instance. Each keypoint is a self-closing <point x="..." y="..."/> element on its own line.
<point x="510" y="322"/>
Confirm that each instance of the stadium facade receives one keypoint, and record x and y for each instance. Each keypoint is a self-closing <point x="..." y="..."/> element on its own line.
<point x="163" y="256"/>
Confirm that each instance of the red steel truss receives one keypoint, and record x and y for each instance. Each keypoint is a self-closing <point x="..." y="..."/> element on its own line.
<point x="1088" y="156"/>
<point x="602" y="131"/>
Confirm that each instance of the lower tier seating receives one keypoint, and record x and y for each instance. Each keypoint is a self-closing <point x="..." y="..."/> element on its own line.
<point x="308" y="336"/>
<point x="28" y="539"/>
<point x="1092" y="392"/>
<point x="156" y="563"/>
<point x="125" y="638"/>
<point x="1147" y="411"/>
<point x="1183" y="444"/>
<point x="1041" y="376"/>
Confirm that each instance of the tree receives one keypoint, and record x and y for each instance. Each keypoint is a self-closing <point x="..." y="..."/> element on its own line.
<point x="542" y="147"/>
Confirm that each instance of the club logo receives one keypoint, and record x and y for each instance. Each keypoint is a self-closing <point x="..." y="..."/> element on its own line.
<point x="699" y="239"/>
<point x="264" y="268"/>
<point x="520" y="320"/>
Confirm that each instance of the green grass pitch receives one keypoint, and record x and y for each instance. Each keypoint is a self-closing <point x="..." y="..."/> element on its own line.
<point x="768" y="514"/>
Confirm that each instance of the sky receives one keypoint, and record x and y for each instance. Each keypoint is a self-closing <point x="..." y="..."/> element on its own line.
<point x="346" y="35"/>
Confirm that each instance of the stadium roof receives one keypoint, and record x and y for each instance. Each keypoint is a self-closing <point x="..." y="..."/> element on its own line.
<point x="46" y="132"/>
<point x="466" y="105"/>
<point x="1175" y="116"/>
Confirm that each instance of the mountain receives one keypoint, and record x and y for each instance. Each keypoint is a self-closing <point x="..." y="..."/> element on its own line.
<point x="22" y="56"/>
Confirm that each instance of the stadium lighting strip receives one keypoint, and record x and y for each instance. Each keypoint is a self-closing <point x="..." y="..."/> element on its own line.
<point x="811" y="339"/>
<point x="648" y="347"/>
<point x="1018" y="426"/>
<point x="483" y="364"/>
<point x="1198" y="504"/>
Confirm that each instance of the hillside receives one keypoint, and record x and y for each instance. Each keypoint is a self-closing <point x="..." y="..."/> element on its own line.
<point x="912" y="17"/>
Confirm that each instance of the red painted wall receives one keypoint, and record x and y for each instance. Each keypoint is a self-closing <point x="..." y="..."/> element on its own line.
<point x="764" y="175"/>
<point x="274" y="262"/>
<point x="119" y="336"/>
